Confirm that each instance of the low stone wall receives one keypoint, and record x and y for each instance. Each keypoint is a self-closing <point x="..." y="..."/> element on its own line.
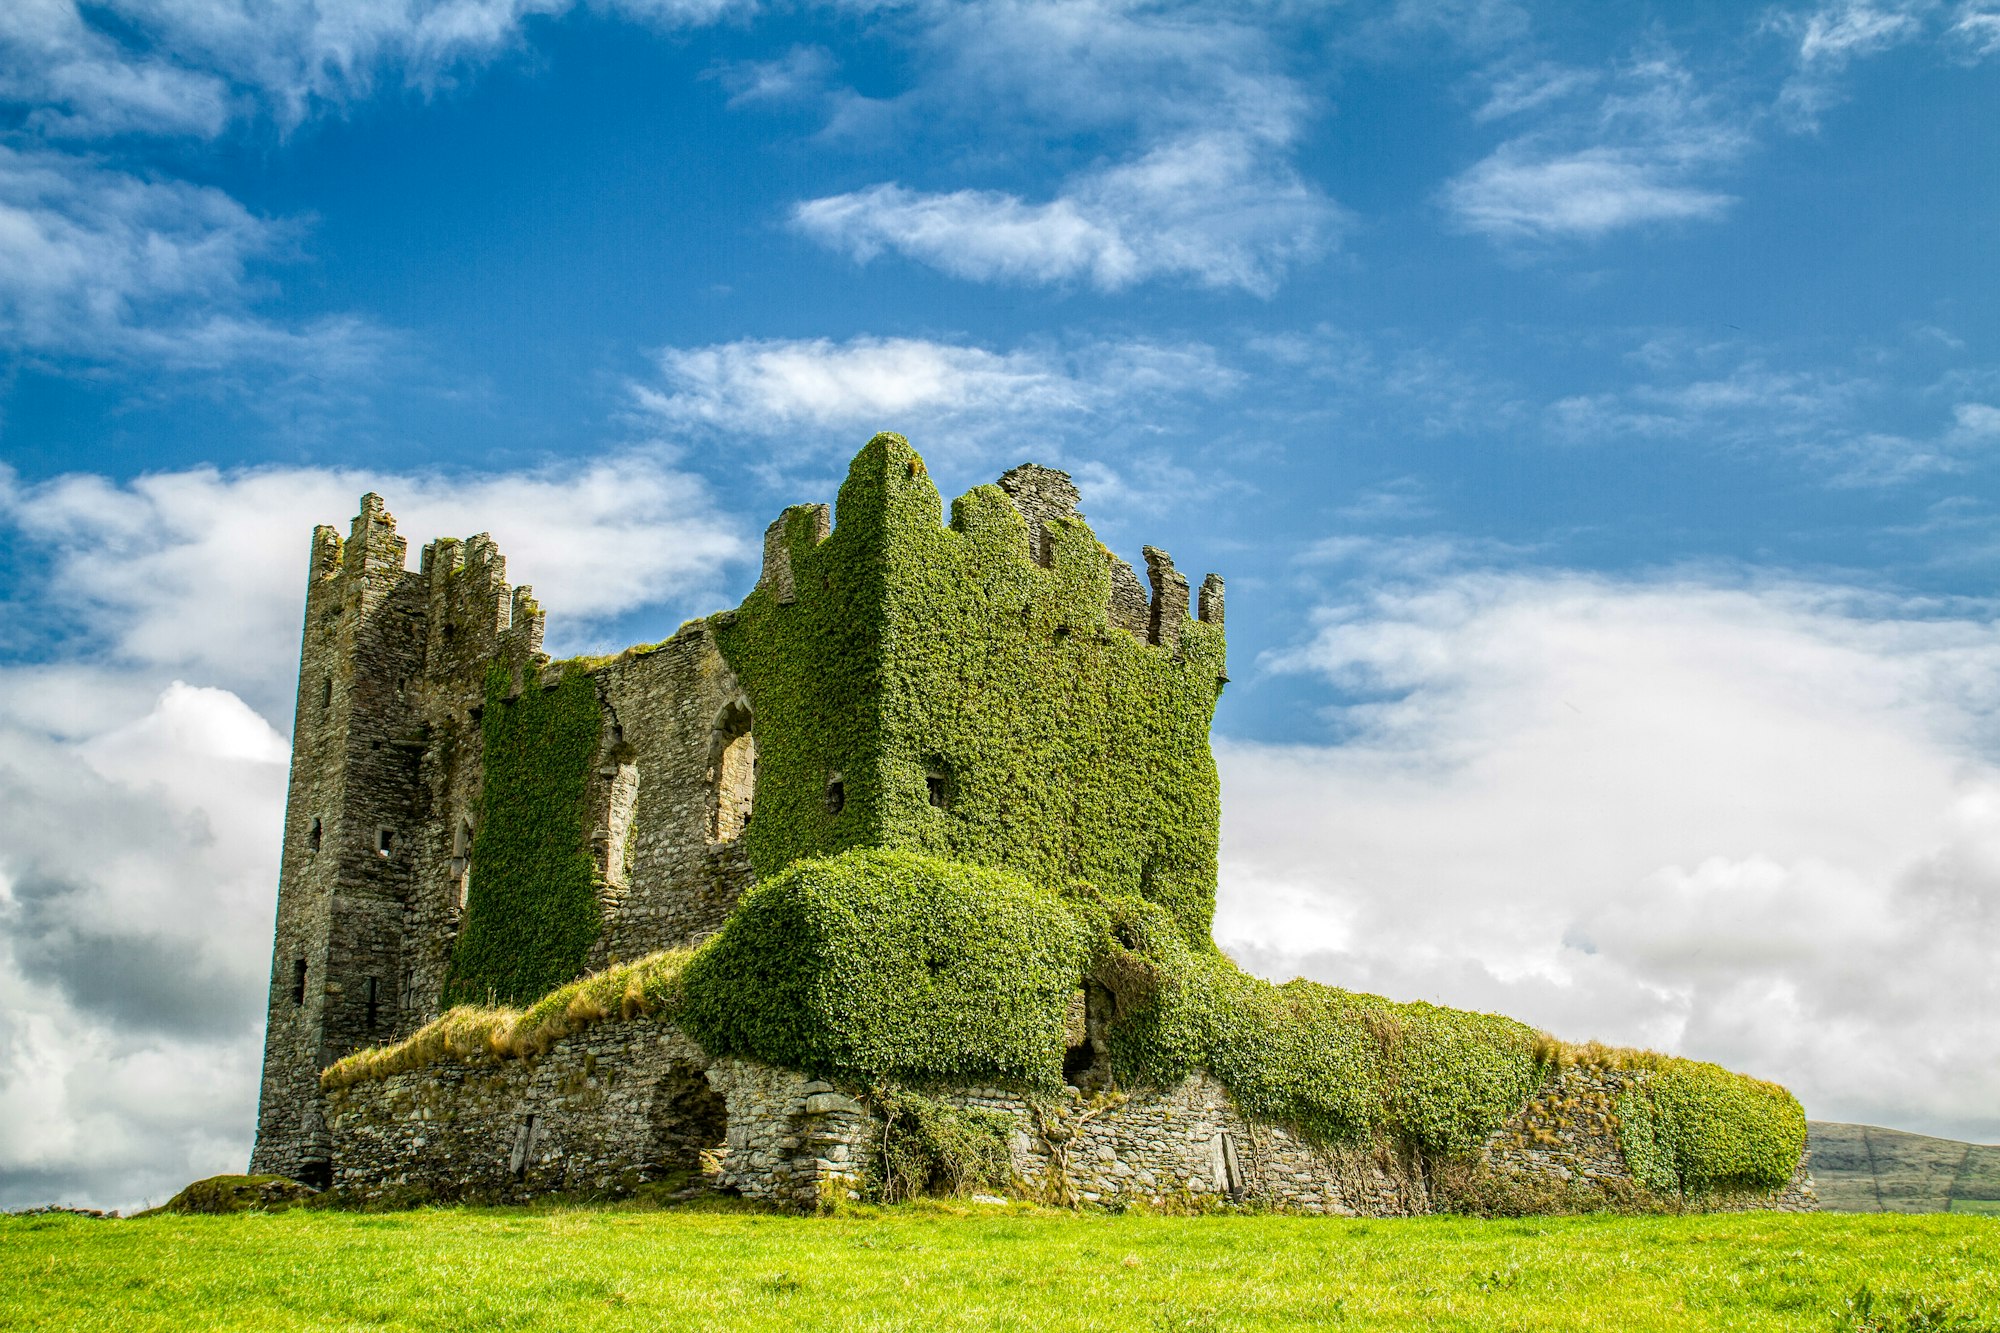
<point x="607" y="1111"/>
<point x="630" y="1103"/>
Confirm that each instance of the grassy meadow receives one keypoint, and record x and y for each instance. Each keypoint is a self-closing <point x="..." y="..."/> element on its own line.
<point x="952" y="1266"/>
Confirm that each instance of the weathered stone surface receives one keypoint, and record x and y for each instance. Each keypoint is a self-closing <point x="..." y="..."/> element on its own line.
<point x="611" y="1109"/>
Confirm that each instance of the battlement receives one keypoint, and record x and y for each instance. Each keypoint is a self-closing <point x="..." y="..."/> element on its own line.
<point x="476" y="616"/>
<point x="1047" y="502"/>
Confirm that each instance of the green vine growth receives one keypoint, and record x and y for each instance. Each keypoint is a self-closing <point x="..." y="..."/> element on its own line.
<point x="972" y="703"/>
<point x="532" y="911"/>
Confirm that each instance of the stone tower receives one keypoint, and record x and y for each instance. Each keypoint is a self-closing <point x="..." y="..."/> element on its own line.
<point x="373" y="681"/>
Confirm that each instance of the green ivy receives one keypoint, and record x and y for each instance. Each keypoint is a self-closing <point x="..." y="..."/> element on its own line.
<point x="884" y="965"/>
<point x="1338" y="1065"/>
<point x="1650" y="1160"/>
<point x="930" y="1146"/>
<point x="1065" y="748"/>
<point x="1701" y="1129"/>
<point x="532" y="911"/>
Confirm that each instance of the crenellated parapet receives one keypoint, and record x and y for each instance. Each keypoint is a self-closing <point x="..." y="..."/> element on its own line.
<point x="476" y="617"/>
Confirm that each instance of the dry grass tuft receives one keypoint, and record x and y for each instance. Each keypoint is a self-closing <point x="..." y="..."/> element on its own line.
<point x="627" y="991"/>
<point x="1562" y="1054"/>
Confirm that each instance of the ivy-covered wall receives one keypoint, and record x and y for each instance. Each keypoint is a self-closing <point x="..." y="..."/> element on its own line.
<point x="532" y="910"/>
<point x="973" y="703"/>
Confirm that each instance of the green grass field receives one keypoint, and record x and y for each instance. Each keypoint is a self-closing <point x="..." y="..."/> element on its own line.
<point x="948" y="1267"/>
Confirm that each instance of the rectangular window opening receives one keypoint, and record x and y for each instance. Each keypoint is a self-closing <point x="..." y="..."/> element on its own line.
<point x="374" y="1002"/>
<point x="298" y="981"/>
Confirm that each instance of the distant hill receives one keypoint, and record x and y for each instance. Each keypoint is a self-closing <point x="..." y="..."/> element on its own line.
<point x="1867" y="1169"/>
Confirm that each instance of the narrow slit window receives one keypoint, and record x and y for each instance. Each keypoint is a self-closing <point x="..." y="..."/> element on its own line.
<point x="313" y="837"/>
<point x="326" y="694"/>
<point x="298" y="981"/>
<point x="385" y="842"/>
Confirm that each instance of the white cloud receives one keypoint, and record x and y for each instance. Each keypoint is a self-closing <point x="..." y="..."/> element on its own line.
<point x="801" y="72"/>
<point x="139" y="813"/>
<point x="1978" y="28"/>
<point x="102" y="263"/>
<point x="804" y="396"/>
<point x="1639" y="155"/>
<point x="1719" y="394"/>
<point x="1838" y="33"/>
<point x="202" y="572"/>
<point x="1213" y="209"/>
<point x="1186" y="114"/>
<point x="1832" y="37"/>
<point x="1757" y="823"/>
<point x="137" y="881"/>
<point x="159" y="67"/>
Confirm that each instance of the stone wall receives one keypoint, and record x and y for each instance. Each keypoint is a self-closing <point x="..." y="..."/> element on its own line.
<point x="627" y="1103"/>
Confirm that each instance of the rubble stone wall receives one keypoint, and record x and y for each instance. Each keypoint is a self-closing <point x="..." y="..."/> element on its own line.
<point x="628" y="1103"/>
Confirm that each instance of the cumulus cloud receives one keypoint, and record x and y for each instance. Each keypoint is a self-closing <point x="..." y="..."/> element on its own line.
<point x="958" y="400"/>
<point x="1640" y="153"/>
<point x="202" y="572"/>
<point x="1758" y="823"/>
<point x="139" y="812"/>
<point x="137" y="886"/>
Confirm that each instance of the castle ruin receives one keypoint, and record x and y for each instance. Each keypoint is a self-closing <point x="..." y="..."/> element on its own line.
<point x="471" y="823"/>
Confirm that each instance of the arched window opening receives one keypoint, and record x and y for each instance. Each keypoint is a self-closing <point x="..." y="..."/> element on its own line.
<point x="836" y="794"/>
<point x="732" y="773"/>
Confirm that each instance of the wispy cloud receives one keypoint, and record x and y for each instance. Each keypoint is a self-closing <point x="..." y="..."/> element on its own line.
<point x="104" y="263"/>
<point x="1203" y="191"/>
<point x="1851" y="425"/>
<point x="134" y="66"/>
<point x="1642" y="152"/>
<point x="960" y="400"/>
<point x="1830" y="38"/>
<point x="1977" y="28"/>
<point x="1214" y="210"/>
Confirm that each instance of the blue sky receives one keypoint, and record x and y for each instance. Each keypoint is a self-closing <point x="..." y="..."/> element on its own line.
<point x="1593" y="408"/>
